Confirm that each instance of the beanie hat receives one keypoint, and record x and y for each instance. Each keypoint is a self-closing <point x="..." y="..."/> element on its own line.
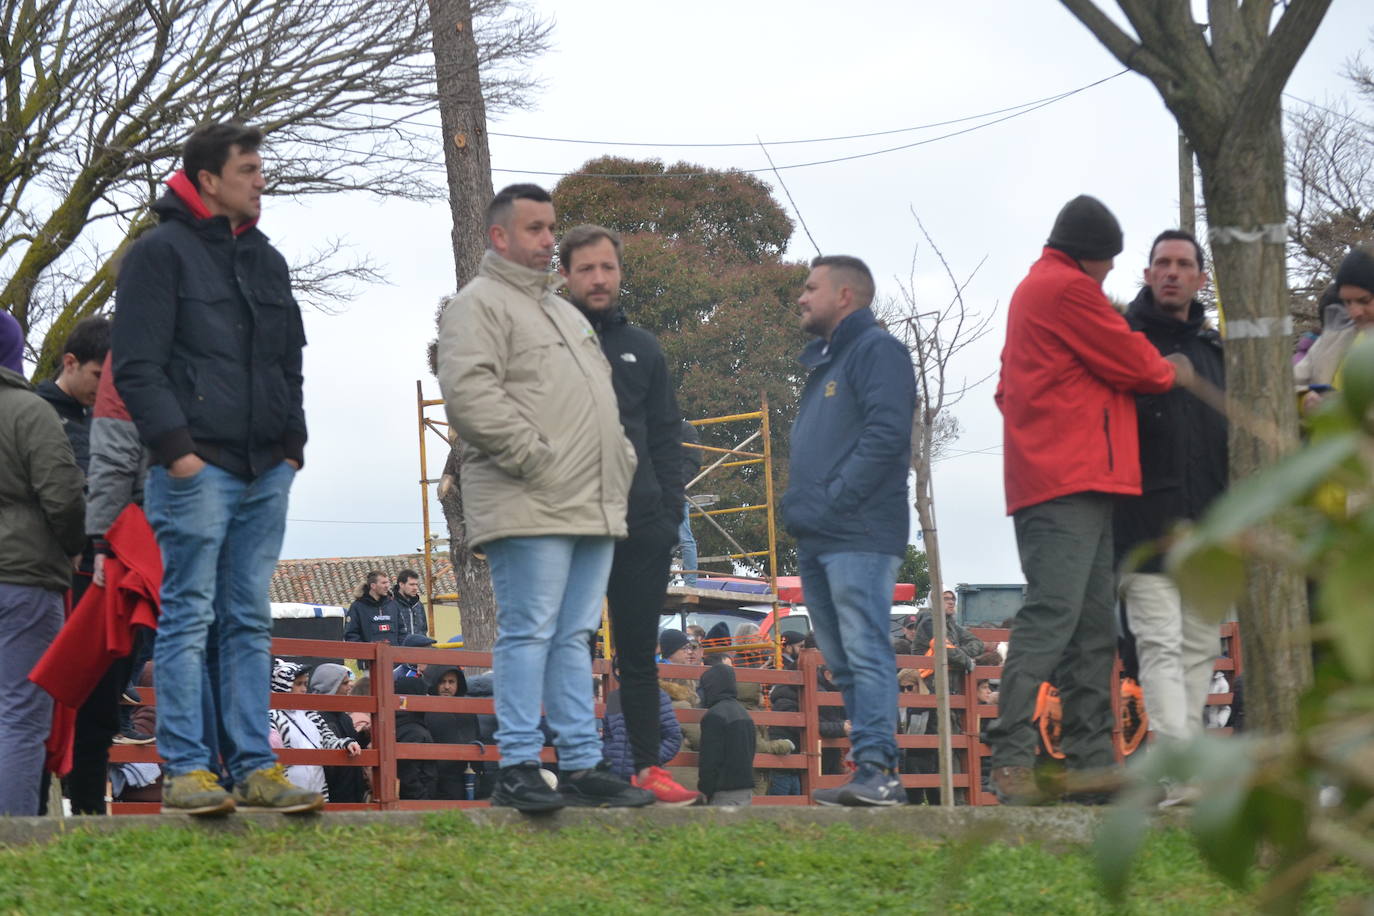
<point x="669" y="641"/>
<point x="1086" y="230"/>
<point x="11" y="343"/>
<point x="1357" y="270"/>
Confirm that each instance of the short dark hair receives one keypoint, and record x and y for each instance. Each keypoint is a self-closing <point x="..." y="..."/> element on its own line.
<point x="498" y="211"/>
<point x="1177" y="235"/>
<point x="208" y="148"/>
<point x="89" y="341"/>
<point x="405" y="576"/>
<point x="859" y="277"/>
<point x="582" y="236"/>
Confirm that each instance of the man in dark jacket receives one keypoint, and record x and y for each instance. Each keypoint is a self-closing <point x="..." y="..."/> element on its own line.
<point x="372" y="615"/>
<point x="1182" y="469"/>
<point x="589" y="261"/>
<point x="207" y="355"/>
<point x="419" y="779"/>
<point x="410" y="610"/>
<point x="846" y="504"/>
<point x="728" y="740"/>
<point x="72" y="392"/>
<point x="450" y="728"/>
<point x="1070" y="369"/>
<point x="41" y="531"/>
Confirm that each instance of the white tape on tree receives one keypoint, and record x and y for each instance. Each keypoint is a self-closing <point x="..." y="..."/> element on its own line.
<point x="1242" y="328"/>
<point x="1273" y="233"/>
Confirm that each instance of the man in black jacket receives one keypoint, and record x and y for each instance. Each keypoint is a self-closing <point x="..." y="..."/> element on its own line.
<point x="1182" y="468"/>
<point x="728" y="740"/>
<point x="207" y="346"/>
<point x="410" y="610"/>
<point x="72" y="392"/>
<point x="589" y="260"/>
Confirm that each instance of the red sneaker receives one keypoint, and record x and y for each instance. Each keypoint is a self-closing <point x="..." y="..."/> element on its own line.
<point x="666" y="790"/>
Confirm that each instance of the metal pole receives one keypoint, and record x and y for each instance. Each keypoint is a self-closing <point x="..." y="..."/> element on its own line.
<point x="772" y="527"/>
<point x="424" y="506"/>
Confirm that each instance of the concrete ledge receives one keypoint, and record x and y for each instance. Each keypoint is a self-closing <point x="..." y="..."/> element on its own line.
<point x="1068" y="825"/>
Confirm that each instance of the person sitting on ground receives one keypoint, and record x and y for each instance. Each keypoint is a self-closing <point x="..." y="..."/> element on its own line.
<point x="615" y="740"/>
<point x="750" y="696"/>
<point x="451" y="728"/>
<point x="727" y="741"/>
<point x="304" y="729"/>
<point x="419" y="778"/>
<point x="347" y="784"/>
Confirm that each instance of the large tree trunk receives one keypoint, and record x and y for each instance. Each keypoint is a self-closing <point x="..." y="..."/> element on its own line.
<point x="1243" y="185"/>
<point x="463" y="117"/>
<point x="1223" y="86"/>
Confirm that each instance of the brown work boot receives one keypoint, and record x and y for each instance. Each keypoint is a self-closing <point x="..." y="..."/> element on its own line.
<point x="1017" y="786"/>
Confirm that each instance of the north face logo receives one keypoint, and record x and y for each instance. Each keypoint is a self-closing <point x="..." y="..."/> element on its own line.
<point x="628" y="357"/>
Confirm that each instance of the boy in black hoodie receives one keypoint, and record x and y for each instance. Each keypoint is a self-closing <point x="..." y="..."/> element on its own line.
<point x="451" y="728"/>
<point x="727" y="741"/>
<point x="417" y="777"/>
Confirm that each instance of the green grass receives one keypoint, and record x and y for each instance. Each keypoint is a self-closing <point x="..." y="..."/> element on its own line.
<point x="451" y="865"/>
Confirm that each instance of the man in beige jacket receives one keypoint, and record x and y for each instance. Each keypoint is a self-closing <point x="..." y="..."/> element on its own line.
<point x="546" y="473"/>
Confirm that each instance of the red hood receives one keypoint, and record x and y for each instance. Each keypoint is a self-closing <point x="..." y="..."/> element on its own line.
<point x="180" y="185"/>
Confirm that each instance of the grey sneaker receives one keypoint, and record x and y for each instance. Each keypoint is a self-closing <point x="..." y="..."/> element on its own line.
<point x="598" y="787"/>
<point x="197" y="792"/>
<point x="870" y="786"/>
<point x="269" y="788"/>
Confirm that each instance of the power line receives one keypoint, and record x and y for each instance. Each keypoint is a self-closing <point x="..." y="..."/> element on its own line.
<point x="876" y="133"/>
<point x="801" y="165"/>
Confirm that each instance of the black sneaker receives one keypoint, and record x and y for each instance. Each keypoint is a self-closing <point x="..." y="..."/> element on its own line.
<point x="131" y="696"/>
<point x="523" y="788"/>
<point x="598" y="787"/>
<point x="131" y="735"/>
<point x="871" y="785"/>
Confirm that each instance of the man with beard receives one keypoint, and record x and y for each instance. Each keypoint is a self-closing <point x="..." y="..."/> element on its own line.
<point x="589" y="261"/>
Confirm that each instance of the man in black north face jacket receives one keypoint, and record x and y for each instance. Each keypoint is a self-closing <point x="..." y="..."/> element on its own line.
<point x="589" y="260"/>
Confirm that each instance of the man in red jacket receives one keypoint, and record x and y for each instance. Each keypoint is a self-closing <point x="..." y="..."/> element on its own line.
<point x="1070" y="369"/>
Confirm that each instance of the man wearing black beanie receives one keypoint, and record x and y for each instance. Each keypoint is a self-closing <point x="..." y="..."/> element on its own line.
<point x="1355" y="286"/>
<point x="1070" y="369"/>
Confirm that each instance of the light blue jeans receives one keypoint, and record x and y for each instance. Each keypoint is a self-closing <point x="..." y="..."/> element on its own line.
<point x="220" y="537"/>
<point x="548" y="591"/>
<point x="689" y="546"/>
<point x="849" y="596"/>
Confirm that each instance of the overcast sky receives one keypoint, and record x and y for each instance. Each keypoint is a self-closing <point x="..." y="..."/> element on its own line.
<point x="719" y="72"/>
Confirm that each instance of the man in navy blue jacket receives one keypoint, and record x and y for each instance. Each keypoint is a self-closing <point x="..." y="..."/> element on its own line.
<point x="846" y="504"/>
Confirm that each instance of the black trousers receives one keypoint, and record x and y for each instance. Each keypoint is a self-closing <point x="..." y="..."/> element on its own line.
<point x="635" y="593"/>
<point x="1065" y="630"/>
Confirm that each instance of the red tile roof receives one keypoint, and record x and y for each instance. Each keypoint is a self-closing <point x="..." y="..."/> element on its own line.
<point x="337" y="580"/>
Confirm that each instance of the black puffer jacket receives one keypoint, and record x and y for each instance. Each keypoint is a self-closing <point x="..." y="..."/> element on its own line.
<point x="1183" y="450"/>
<point x="207" y="342"/>
<point x="652" y="422"/>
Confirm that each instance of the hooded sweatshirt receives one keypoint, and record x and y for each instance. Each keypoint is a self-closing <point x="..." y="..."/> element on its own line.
<point x="450" y="728"/>
<point x="727" y="735"/>
<point x="304" y="729"/>
<point x="346" y="783"/>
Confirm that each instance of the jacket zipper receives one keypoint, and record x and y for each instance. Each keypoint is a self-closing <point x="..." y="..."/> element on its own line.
<point x="1107" y="433"/>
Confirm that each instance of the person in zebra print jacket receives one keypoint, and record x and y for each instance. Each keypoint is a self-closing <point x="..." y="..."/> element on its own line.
<point x="304" y="729"/>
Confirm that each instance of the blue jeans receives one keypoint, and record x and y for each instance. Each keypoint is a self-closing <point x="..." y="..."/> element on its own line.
<point x="689" y="546"/>
<point x="548" y="604"/>
<point x="220" y="537"/>
<point x="849" y="596"/>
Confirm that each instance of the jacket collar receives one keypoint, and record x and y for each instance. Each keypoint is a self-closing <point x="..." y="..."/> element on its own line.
<point x="11" y="379"/>
<point x="533" y="283"/>
<point x="1145" y="312"/>
<point x="820" y="351"/>
<point x="600" y="321"/>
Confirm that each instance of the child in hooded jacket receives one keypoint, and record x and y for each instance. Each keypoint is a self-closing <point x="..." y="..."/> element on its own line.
<point x="304" y="729"/>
